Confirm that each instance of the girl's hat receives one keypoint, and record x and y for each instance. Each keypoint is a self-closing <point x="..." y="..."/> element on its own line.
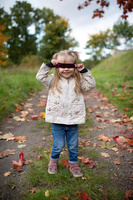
<point x="65" y="65"/>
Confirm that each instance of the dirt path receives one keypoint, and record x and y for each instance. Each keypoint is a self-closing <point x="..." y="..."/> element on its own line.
<point x="101" y="112"/>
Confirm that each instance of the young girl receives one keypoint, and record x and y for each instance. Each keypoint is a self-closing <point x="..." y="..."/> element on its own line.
<point x="65" y="107"/>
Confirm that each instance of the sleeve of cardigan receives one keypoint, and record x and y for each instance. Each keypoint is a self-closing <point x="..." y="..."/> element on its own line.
<point x="43" y="77"/>
<point x="87" y="82"/>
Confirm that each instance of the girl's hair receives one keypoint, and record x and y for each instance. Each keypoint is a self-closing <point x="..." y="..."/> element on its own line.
<point x="76" y="75"/>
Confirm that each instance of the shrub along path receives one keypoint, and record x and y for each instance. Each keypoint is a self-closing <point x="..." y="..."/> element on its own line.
<point x="105" y="154"/>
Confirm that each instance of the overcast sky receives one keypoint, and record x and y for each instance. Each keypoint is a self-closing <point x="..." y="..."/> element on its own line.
<point x="80" y="21"/>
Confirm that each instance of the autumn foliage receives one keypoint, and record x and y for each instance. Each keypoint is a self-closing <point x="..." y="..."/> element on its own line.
<point x="126" y="5"/>
<point x="3" y="50"/>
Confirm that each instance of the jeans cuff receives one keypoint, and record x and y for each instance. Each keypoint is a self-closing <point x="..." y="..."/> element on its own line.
<point x="73" y="162"/>
<point x="54" y="159"/>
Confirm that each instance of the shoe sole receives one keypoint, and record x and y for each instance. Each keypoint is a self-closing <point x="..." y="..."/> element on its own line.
<point x="76" y="175"/>
<point x="52" y="172"/>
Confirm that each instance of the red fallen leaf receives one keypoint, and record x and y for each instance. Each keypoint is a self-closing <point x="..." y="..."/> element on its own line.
<point x="39" y="157"/>
<point x="87" y="161"/>
<point x="65" y="198"/>
<point x="34" y="117"/>
<point x="126" y="109"/>
<point x="123" y="86"/>
<point x="90" y="164"/>
<point x="99" y="116"/>
<point x="84" y="196"/>
<point x="118" y="140"/>
<point x="17" y="168"/>
<point x="130" y="141"/>
<point x="122" y="131"/>
<point x="128" y="195"/>
<point x="65" y="162"/>
<point x="20" y="162"/>
<point x="41" y="105"/>
<point x="129" y="136"/>
<point x="106" y="120"/>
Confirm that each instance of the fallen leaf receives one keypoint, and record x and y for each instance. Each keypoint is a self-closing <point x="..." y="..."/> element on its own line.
<point x="126" y="109"/>
<point x="117" y="161"/>
<point x="106" y="114"/>
<point x="122" y="131"/>
<point x="17" y="168"/>
<point x="129" y="195"/>
<point x="131" y="177"/>
<point x="21" y="146"/>
<point x="84" y="160"/>
<point x="35" y="189"/>
<point x="114" y="149"/>
<point x="131" y="118"/>
<point x="106" y="145"/>
<point x="28" y="105"/>
<point x="84" y="196"/>
<point x="116" y="120"/>
<point x="20" y="139"/>
<point x="17" y="118"/>
<point x="20" y="162"/>
<point x="34" y="117"/>
<point x="130" y="141"/>
<point x="6" y="153"/>
<point x="7" y="173"/>
<point x="87" y="161"/>
<point x="84" y="143"/>
<point x="30" y="110"/>
<point x="7" y="136"/>
<point x="42" y="115"/>
<point x="24" y="114"/>
<point x="106" y="155"/>
<point x="119" y="140"/>
<point x="129" y="136"/>
<point x="104" y="138"/>
<point x="65" y="162"/>
<point x="101" y="127"/>
<point x="41" y="105"/>
<point x="27" y="161"/>
<point x="18" y="107"/>
<point x="65" y="198"/>
<point x="105" y="197"/>
<point x="130" y="149"/>
<point x="47" y="193"/>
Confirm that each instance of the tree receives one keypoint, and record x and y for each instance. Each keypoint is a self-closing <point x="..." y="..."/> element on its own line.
<point x="3" y="50"/>
<point x="18" y="22"/>
<point x="126" y="5"/>
<point x="123" y="33"/>
<point x="21" y="42"/>
<point x="56" y="38"/>
<point x="99" y="42"/>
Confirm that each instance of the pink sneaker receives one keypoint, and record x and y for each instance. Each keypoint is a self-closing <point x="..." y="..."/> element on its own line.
<point x="52" y="167"/>
<point x="75" y="169"/>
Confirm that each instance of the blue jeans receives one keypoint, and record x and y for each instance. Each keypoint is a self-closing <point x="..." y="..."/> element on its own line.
<point x="60" y="132"/>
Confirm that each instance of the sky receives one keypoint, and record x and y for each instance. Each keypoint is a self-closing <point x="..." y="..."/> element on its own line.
<point x="80" y="21"/>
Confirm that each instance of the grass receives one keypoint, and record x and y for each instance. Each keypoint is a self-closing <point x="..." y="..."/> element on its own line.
<point x="64" y="184"/>
<point x="114" y="77"/>
<point x="16" y="85"/>
<point x="96" y="181"/>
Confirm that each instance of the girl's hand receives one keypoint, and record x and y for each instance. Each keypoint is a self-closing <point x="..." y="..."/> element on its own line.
<point x="80" y="67"/>
<point x="54" y="62"/>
